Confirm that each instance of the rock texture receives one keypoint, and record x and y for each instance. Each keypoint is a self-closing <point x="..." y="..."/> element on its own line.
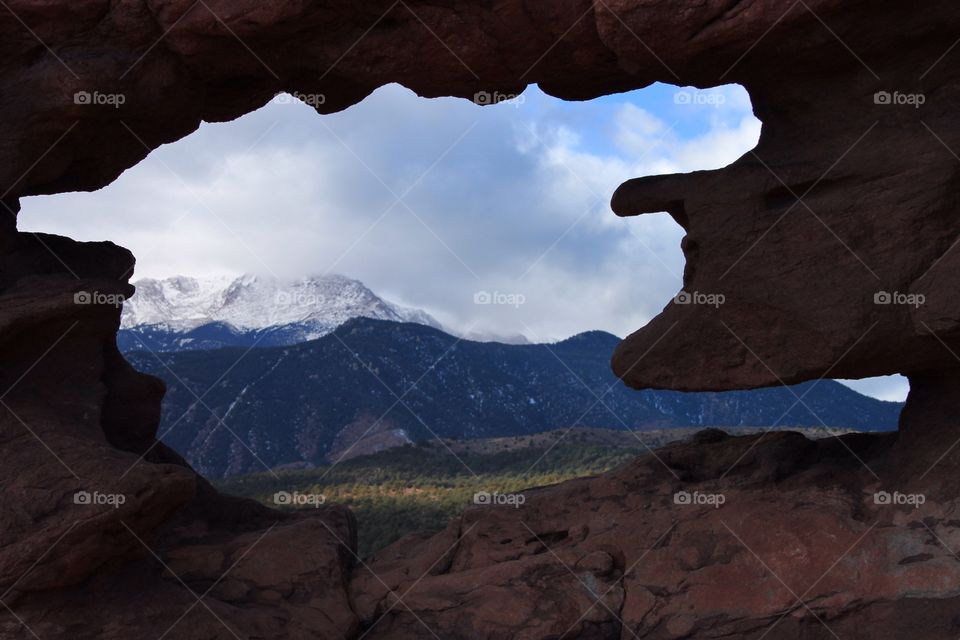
<point x="96" y="511"/>
<point x="844" y="199"/>
<point x="797" y="548"/>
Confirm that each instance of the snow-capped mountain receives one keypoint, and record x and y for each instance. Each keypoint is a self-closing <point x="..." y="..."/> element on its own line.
<point x="181" y="313"/>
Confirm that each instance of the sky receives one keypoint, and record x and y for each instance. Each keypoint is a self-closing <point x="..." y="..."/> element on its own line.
<point x="432" y="203"/>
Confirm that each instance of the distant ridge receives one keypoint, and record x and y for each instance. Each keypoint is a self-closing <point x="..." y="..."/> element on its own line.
<point x="374" y="384"/>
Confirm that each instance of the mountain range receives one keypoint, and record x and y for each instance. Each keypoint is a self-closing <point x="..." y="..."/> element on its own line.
<point x="184" y="313"/>
<point x="373" y="384"/>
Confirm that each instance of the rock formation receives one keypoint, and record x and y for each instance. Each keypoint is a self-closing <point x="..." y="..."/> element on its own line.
<point x="750" y="537"/>
<point x="822" y="241"/>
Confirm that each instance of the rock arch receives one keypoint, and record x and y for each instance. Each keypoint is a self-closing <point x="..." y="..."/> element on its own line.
<point x="850" y="196"/>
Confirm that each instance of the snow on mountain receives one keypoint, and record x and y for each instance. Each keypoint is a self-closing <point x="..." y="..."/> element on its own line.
<point x="491" y="336"/>
<point x="250" y="303"/>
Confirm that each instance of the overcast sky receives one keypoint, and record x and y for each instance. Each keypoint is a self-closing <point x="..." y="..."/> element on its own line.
<point x="430" y="202"/>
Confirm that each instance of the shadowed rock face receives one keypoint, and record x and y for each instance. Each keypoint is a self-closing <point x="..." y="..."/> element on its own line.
<point x="844" y="204"/>
<point x="844" y="199"/>
<point x="798" y="548"/>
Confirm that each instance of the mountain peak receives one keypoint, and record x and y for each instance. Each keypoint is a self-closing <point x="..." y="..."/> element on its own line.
<point x="591" y="337"/>
<point x="302" y="309"/>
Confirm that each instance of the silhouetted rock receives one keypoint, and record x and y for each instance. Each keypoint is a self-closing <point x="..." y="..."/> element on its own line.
<point x="811" y="288"/>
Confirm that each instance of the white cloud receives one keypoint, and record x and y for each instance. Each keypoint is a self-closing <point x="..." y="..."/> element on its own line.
<point x="890" y="388"/>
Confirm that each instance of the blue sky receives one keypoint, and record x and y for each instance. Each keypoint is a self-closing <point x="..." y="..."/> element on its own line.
<point x="430" y="202"/>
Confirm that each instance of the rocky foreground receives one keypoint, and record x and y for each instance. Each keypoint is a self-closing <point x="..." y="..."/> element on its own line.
<point x="725" y="537"/>
<point x="833" y="243"/>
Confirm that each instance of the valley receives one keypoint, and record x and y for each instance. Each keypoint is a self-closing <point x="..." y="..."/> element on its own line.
<point x="417" y="489"/>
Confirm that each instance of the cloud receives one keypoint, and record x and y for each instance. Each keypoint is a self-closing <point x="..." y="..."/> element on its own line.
<point x="427" y="201"/>
<point x="890" y="388"/>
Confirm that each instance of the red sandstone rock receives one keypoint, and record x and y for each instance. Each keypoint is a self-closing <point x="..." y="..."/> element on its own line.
<point x="798" y="543"/>
<point x="78" y="423"/>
